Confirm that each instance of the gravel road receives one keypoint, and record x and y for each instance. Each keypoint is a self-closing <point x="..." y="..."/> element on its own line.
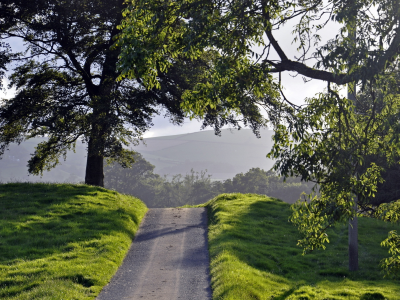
<point x="167" y="260"/>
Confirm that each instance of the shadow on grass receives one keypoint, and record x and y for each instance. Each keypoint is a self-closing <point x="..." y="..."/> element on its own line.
<point x="52" y="224"/>
<point x="43" y="227"/>
<point x="258" y="234"/>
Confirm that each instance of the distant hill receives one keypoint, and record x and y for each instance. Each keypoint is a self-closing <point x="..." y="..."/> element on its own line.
<point x="223" y="157"/>
<point x="13" y="164"/>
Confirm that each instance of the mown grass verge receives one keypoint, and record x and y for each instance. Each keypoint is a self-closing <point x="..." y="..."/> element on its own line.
<point x="62" y="241"/>
<point x="254" y="255"/>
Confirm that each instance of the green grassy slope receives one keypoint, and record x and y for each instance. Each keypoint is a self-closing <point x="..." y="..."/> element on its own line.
<point x="61" y="241"/>
<point x="254" y="255"/>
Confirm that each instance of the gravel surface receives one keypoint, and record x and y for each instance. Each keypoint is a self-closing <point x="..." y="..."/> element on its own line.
<point x="167" y="260"/>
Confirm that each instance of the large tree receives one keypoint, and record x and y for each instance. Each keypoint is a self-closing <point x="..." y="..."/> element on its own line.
<point x="244" y="33"/>
<point x="67" y="88"/>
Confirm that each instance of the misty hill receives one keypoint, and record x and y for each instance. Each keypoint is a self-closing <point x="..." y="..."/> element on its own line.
<point x="223" y="157"/>
<point x="13" y="164"/>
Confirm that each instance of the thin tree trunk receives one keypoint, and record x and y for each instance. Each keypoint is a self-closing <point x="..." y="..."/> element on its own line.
<point x="353" y="242"/>
<point x="353" y="223"/>
<point x="351" y="95"/>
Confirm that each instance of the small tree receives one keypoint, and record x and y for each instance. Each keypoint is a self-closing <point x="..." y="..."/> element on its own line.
<point x="332" y="142"/>
<point x="127" y="180"/>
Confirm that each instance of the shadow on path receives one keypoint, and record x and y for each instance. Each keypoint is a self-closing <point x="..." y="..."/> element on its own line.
<point x="167" y="260"/>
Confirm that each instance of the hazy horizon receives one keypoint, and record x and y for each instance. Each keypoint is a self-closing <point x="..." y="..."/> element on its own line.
<point x="224" y="156"/>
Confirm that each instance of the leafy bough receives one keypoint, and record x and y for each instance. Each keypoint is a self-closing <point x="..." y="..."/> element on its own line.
<point x="345" y="148"/>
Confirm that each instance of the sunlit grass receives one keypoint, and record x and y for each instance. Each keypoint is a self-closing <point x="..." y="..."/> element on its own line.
<point x="254" y="255"/>
<point x="62" y="241"/>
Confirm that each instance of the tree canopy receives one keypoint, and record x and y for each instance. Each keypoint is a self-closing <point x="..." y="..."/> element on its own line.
<point x="243" y="33"/>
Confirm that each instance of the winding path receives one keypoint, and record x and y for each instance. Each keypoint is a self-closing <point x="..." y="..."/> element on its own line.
<point x="168" y="259"/>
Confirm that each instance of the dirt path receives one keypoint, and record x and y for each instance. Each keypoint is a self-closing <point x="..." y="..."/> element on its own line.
<point x="167" y="260"/>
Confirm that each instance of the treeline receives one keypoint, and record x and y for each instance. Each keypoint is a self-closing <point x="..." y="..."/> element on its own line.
<point x="196" y="187"/>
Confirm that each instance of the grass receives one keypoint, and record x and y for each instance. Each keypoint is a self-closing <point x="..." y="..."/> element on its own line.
<point x="254" y="255"/>
<point x="62" y="241"/>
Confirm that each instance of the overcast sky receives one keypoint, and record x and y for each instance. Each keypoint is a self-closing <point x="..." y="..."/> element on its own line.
<point x="295" y="89"/>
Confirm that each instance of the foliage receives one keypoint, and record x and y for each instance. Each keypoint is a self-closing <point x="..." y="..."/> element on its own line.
<point x="62" y="241"/>
<point x="152" y="32"/>
<point x="4" y="60"/>
<point x="192" y="188"/>
<point x="253" y="255"/>
<point x="243" y="33"/>
<point x="126" y="180"/>
<point x="391" y="265"/>
<point x="341" y="145"/>
<point x="268" y="183"/>
<point x="254" y="181"/>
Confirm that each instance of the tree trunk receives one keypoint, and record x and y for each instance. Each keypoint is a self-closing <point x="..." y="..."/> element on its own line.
<point x="100" y="131"/>
<point x="353" y="242"/>
<point x="353" y="223"/>
<point x="94" y="166"/>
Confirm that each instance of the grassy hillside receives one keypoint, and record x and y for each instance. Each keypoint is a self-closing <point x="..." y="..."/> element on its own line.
<point x="254" y="255"/>
<point x="62" y="241"/>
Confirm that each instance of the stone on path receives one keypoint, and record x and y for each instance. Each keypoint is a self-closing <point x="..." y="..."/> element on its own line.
<point x="168" y="259"/>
